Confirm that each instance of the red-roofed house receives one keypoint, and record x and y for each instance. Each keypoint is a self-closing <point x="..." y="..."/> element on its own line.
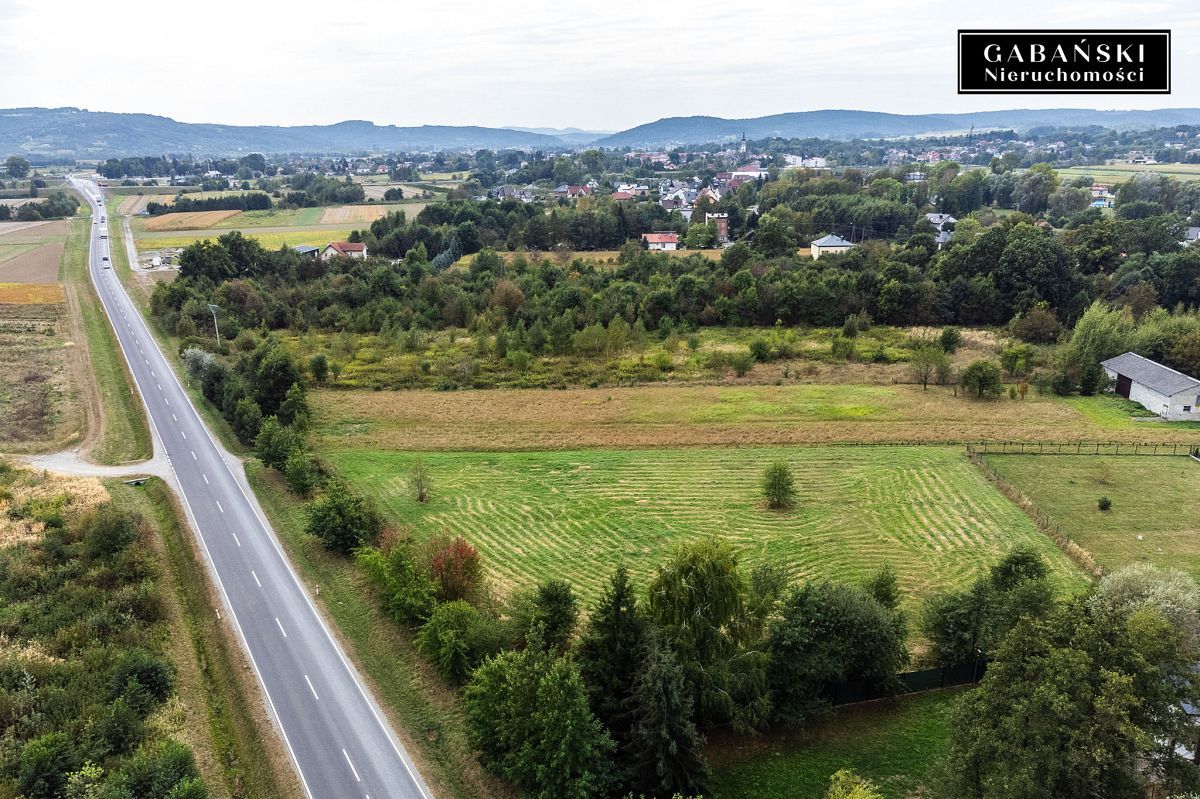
<point x="621" y="195"/>
<point x="753" y="171"/>
<point x="661" y="241"/>
<point x="343" y="249"/>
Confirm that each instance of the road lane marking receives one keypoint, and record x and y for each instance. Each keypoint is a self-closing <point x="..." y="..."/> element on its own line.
<point x="181" y="432"/>
<point x="277" y="621"/>
<point x="159" y="386"/>
<point x="193" y="453"/>
<point x="205" y="476"/>
<point x="219" y="506"/>
<point x="255" y="576"/>
<point x="352" y="768"/>
<point x="174" y="417"/>
<point x="310" y="687"/>
<point x="235" y="538"/>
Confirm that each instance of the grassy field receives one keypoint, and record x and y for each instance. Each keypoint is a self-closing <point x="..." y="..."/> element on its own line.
<point x="895" y="743"/>
<point x="1155" y="497"/>
<point x="576" y="514"/>
<point x="1119" y="173"/>
<point x="713" y="415"/>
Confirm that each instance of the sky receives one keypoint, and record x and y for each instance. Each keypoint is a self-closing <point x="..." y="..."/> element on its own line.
<point x="537" y="63"/>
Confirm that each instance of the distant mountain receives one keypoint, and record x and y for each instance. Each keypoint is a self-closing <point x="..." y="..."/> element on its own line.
<point x="575" y="137"/>
<point x="78" y="133"/>
<point x="845" y="124"/>
<point x="73" y="132"/>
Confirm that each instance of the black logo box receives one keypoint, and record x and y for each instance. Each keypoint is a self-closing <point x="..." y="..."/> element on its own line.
<point x="1149" y="71"/>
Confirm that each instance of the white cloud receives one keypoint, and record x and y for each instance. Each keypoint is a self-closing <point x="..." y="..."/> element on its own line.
<point x="529" y="62"/>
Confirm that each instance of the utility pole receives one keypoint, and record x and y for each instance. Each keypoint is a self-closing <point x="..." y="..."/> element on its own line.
<point x="217" y="330"/>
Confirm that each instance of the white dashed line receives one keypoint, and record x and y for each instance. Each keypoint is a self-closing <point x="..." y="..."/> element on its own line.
<point x="193" y="454"/>
<point x="277" y="621"/>
<point x="310" y="687"/>
<point x="235" y="538"/>
<point x="255" y="576"/>
<point x="219" y="506"/>
<point x="205" y="476"/>
<point x="174" y="417"/>
<point x="352" y="768"/>
<point x="182" y="433"/>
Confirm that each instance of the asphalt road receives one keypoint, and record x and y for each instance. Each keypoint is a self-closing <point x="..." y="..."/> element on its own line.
<point x="335" y="732"/>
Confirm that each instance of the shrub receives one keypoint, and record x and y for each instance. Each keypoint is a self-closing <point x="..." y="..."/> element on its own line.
<point x="950" y="339"/>
<point x="1104" y="503"/>
<point x="141" y="678"/>
<point x="447" y="639"/>
<point x="318" y="367"/>
<point x="342" y="519"/>
<point x="275" y="443"/>
<point x="405" y="591"/>
<point x="841" y="348"/>
<point x="556" y="612"/>
<point x="44" y="765"/>
<point x="741" y="363"/>
<point x="454" y="565"/>
<point x="1038" y="325"/>
<point x="982" y="378"/>
<point x="247" y="420"/>
<point x="778" y="485"/>
<point x="106" y="531"/>
<point x="301" y="472"/>
<point x="760" y="349"/>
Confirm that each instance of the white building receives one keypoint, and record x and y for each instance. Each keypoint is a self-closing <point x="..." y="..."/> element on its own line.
<point x="829" y="245"/>
<point x="1159" y="389"/>
<point x="661" y="241"/>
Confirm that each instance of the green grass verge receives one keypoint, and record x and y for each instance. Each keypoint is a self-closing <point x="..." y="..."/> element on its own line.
<point x="428" y="712"/>
<point x="126" y="435"/>
<point x="896" y="743"/>
<point x="1152" y="496"/>
<point x="214" y="684"/>
<point x="1110" y="412"/>
<point x="576" y="514"/>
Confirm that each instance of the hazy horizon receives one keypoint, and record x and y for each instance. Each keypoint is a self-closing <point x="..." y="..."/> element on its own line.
<point x="527" y="64"/>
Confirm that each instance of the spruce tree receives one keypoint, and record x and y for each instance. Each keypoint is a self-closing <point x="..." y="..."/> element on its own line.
<point x="664" y="748"/>
<point x="611" y="651"/>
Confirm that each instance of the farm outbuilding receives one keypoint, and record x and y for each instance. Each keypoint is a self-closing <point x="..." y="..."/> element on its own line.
<point x="1159" y="389"/>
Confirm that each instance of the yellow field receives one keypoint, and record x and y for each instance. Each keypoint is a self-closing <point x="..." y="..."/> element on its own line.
<point x="1119" y="173"/>
<point x="30" y="293"/>
<point x="271" y="240"/>
<point x="190" y="220"/>
<point x="365" y="214"/>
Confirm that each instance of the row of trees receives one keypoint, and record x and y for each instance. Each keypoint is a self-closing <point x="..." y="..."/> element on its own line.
<point x="249" y="201"/>
<point x="57" y="206"/>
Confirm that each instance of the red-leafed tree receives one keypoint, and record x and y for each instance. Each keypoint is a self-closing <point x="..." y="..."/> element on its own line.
<point x="454" y="566"/>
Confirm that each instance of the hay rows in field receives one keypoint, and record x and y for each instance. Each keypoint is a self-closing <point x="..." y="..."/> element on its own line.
<point x="576" y="515"/>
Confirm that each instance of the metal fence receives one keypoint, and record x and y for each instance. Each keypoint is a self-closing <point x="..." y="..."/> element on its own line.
<point x="1080" y="448"/>
<point x="911" y="682"/>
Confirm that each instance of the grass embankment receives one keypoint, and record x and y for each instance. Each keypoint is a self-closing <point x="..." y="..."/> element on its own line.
<point x="576" y="514"/>
<point x="219" y="700"/>
<point x="895" y="743"/>
<point x="430" y="718"/>
<point x="1154" y="497"/>
<point x="126" y="435"/>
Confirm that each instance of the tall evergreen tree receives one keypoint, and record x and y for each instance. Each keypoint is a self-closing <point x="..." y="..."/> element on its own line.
<point x="610" y="652"/>
<point x="664" y="746"/>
